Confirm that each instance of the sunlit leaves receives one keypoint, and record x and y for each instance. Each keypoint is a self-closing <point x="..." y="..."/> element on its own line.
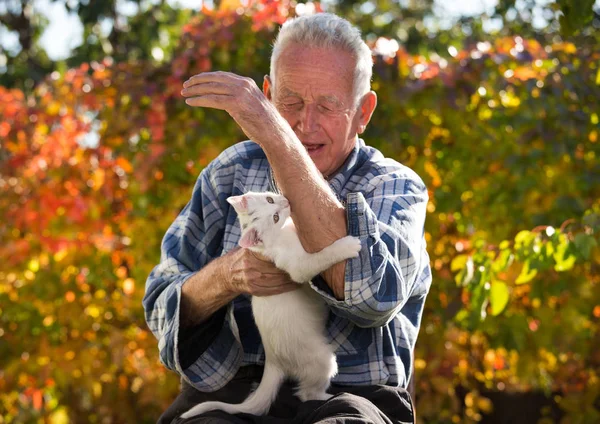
<point x="530" y="254"/>
<point x="499" y="296"/>
<point x="527" y="273"/>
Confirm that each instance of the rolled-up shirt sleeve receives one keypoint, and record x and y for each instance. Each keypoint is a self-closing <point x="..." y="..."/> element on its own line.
<point x="389" y="219"/>
<point x="192" y="241"/>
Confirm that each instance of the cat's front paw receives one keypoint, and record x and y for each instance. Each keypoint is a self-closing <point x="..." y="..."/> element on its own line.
<point x="348" y="246"/>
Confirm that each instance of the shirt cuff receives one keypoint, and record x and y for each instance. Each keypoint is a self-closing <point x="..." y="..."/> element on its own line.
<point x="195" y="340"/>
<point x="212" y="364"/>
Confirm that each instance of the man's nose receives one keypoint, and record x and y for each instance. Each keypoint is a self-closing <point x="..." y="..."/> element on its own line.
<point x="309" y="119"/>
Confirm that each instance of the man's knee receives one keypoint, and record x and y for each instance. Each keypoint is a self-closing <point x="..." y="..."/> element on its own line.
<point x="350" y="408"/>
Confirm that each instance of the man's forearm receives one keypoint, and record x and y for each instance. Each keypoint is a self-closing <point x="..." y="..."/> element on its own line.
<point x="319" y="216"/>
<point x="240" y="271"/>
<point x="206" y="292"/>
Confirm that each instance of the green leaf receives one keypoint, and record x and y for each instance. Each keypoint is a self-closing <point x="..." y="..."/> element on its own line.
<point x="585" y="243"/>
<point x="576" y="14"/>
<point x="499" y="296"/>
<point x="461" y="316"/>
<point x="503" y="261"/>
<point x="527" y="274"/>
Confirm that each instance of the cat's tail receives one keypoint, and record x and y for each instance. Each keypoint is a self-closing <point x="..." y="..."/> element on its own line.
<point x="258" y="403"/>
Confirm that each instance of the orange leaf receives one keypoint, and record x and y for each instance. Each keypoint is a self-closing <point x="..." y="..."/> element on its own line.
<point x="125" y="165"/>
<point x="37" y="399"/>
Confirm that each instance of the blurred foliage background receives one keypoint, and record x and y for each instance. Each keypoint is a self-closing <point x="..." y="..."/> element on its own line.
<point x="498" y="112"/>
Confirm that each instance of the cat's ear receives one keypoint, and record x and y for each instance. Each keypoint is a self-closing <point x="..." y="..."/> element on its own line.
<point x="239" y="203"/>
<point x="250" y="238"/>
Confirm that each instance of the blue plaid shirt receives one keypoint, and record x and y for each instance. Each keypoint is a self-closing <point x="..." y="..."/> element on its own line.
<point x="374" y="328"/>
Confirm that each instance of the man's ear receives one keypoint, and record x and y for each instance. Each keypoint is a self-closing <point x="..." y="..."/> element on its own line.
<point x="239" y="203"/>
<point x="267" y="86"/>
<point x="250" y="238"/>
<point x="366" y="109"/>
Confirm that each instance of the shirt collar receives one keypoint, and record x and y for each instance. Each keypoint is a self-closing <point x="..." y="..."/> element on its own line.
<point x="339" y="178"/>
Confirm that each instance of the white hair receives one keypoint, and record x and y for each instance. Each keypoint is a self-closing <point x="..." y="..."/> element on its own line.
<point x="325" y="30"/>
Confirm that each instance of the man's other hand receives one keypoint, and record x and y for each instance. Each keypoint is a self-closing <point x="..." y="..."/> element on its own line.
<point x="254" y="274"/>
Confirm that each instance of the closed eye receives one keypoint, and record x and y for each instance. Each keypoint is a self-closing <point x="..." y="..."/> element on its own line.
<point x="276" y="218"/>
<point x="270" y="200"/>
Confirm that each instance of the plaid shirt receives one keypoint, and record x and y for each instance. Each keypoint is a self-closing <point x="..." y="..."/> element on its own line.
<point x="374" y="328"/>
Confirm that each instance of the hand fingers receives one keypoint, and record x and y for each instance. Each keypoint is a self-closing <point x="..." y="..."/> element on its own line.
<point x="218" y="76"/>
<point x="219" y="90"/>
<point x="207" y="88"/>
<point x="273" y="290"/>
<point x="215" y="101"/>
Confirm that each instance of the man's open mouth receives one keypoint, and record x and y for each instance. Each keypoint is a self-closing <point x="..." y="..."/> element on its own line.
<point x="313" y="148"/>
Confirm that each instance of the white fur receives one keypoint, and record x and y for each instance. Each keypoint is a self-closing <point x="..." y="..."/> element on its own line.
<point x="291" y="324"/>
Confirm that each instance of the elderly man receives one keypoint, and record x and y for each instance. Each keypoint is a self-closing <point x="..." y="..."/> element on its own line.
<point x="304" y="128"/>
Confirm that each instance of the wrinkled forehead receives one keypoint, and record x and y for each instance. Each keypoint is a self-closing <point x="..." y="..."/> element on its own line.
<point x="327" y="71"/>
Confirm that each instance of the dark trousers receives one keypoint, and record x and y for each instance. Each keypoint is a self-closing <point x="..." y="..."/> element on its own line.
<point x="350" y="404"/>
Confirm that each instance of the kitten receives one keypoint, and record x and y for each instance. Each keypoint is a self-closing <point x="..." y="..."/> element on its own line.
<point x="292" y="324"/>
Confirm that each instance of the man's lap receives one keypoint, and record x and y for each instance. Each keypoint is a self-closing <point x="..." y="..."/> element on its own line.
<point x="360" y="404"/>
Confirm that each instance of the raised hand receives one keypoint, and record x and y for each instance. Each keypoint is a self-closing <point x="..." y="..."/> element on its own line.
<point x="241" y="98"/>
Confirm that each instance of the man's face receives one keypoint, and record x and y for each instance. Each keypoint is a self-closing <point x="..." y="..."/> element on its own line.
<point x="313" y="91"/>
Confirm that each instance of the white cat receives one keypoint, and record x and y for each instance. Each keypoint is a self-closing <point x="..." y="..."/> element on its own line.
<point x="292" y="324"/>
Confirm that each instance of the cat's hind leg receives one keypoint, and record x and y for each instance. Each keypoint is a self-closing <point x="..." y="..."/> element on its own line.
<point x="314" y="380"/>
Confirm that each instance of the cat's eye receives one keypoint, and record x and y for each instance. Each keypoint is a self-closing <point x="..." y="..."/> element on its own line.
<point x="270" y="200"/>
<point x="276" y="218"/>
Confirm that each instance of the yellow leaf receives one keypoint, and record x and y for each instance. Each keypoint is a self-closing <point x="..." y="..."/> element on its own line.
<point x="230" y="5"/>
<point x="34" y="265"/>
<point x="53" y="108"/>
<point x="434" y="174"/>
<point x="526" y="274"/>
<point x="93" y="311"/>
<point x="97" y="389"/>
<point x="59" y="416"/>
<point x="499" y="296"/>
<point x="60" y="255"/>
<point x="458" y="263"/>
<point x="565" y="264"/>
<point x="98" y="178"/>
